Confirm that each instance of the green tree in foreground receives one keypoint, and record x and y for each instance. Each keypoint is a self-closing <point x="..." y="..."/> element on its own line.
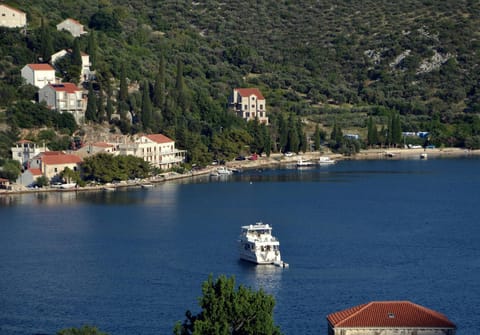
<point x="85" y="330"/>
<point x="227" y="310"/>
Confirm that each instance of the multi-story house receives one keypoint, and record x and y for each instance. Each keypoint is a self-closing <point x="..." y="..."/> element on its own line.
<point x="38" y="75"/>
<point x="11" y="17"/>
<point x="249" y="104"/>
<point x="72" y="26"/>
<point x="24" y="150"/>
<point x="65" y="98"/>
<point x="389" y="318"/>
<point x="157" y="149"/>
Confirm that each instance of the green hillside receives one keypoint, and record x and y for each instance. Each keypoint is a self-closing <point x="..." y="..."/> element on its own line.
<point x="327" y="62"/>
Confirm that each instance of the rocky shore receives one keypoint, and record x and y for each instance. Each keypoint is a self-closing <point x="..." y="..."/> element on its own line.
<point x="274" y="160"/>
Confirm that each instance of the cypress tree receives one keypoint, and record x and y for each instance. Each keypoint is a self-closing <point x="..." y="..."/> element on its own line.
<point x="146" y="106"/>
<point x="76" y="53"/>
<point x="159" y="89"/>
<point x="123" y="91"/>
<point x="91" y="112"/>
<point x="283" y="133"/>
<point x="46" y="43"/>
<point x="92" y="49"/>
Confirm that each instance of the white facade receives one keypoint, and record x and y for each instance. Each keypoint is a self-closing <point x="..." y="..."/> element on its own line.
<point x="11" y="17"/>
<point x="38" y="75"/>
<point x="249" y="104"/>
<point x="24" y="150"/>
<point x="393" y="331"/>
<point x="72" y="26"/>
<point x="156" y="149"/>
<point x="65" y="98"/>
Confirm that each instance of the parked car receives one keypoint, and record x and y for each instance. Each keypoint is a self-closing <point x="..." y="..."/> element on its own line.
<point x="240" y="158"/>
<point x="288" y="154"/>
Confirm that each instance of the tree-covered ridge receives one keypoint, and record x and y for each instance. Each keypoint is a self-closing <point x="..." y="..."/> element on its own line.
<point x="334" y="62"/>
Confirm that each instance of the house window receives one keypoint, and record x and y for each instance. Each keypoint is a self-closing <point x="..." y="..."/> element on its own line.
<point x="261" y="106"/>
<point x="247" y="114"/>
<point x="246" y="107"/>
<point x="253" y="106"/>
<point x="253" y="98"/>
<point x="74" y="168"/>
<point x="55" y="170"/>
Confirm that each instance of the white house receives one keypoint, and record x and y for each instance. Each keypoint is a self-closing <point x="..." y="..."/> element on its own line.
<point x="249" y="103"/>
<point x="72" y="26"/>
<point x="157" y="149"/>
<point x="29" y="177"/>
<point x="389" y="318"/>
<point x="11" y="17"/>
<point x="24" y="150"/>
<point x="65" y="98"/>
<point x="85" y="72"/>
<point x="38" y="75"/>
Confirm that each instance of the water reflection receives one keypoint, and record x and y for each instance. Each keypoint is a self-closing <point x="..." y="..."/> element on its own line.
<point x="266" y="277"/>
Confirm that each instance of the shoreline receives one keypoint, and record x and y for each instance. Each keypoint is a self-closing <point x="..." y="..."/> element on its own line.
<point x="275" y="160"/>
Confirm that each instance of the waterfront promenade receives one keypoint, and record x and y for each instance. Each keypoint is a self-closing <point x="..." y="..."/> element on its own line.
<point x="274" y="160"/>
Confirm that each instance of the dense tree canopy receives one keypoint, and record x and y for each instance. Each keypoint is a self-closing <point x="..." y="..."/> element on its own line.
<point x="230" y="310"/>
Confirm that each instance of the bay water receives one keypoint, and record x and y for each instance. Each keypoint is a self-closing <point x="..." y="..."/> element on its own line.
<point x="133" y="261"/>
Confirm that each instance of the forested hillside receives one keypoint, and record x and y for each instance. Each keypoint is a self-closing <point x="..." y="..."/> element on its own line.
<point x="328" y="62"/>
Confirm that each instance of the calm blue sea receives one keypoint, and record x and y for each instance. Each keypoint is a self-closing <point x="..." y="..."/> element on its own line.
<point x="132" y="262"/>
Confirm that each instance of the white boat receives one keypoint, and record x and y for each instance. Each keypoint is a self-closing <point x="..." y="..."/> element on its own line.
<point x="304" y="162"/>
<point x="325" y="160"/>
<point x="423" y="156"/>
<point x="147" y="185"/>
<point x="257" y="245"/>
<point x="223" y="171"/>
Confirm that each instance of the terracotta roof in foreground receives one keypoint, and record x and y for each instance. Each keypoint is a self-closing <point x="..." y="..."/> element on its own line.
<point x="61" y="159"/>
<point x="386" y="314"/>
<point x="159" y="138"/>
<point x="246" y="92"/>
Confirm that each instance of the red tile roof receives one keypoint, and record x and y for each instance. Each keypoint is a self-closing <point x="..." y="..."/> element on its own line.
<point x="52" y="153"/>
<point x="246" y="92"/>
<point x="65" y="87"/>
<point x="61" y="159"/>
<point x="35" y="172"/>
<point x="41" y="67"/>
<point x="24" y="141"/>
<point x="159" y="138"/>
<point x="389" y="314"/>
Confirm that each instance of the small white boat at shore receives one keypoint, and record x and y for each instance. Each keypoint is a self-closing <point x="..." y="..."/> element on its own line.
<point x="148" y="185"/>
<point x="423" y="156"/>
<point x="304" y="163"/>
<point x="224" y="171"/>
<point x="257" y="245"/>
<point x="325" y="160"/>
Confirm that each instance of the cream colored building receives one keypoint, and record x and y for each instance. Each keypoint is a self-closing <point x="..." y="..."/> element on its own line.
<point x="65" y="98"/>
<point x="389" y="318"/>
<point x="11" y="17"/>
<point x="72" y="26"/>
<point x="249" y="104"/>
<point x="157" y="149"/>
<point x="38" y="75"/>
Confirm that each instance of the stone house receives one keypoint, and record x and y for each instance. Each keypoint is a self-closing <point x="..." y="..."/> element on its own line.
<point x="72" y="26"/>
<point x="11" y="17"/>
<point x="389" y="318"/>
<point x="65" y="98"/>
<point x="29" y="177"/>
<point x="38" y="75"/>
<point x="249" y="103"/>
<point x="157" y="149"/>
